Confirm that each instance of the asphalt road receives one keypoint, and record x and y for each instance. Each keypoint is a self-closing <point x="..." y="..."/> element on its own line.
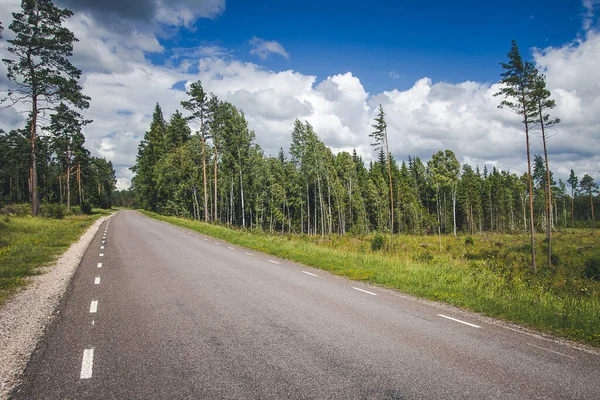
<point x="172" y="314"/>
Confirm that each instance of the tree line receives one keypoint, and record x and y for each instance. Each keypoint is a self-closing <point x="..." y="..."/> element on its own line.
<point x="46" y="160"/>
<point x="219" y="174"/>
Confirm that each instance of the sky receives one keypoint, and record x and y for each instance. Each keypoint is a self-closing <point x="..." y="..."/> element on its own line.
<point x="433" y="66"/>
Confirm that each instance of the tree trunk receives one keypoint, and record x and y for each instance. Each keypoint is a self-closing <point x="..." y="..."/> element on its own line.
<point x="215" y="215"/>
<point x="390" y="176"/>
<point x="35" y="206"/>
<point x="548" y="190"/>
<point x="202" y="135"/>
<point x="454" y="208"/>
<point x="529" y="178"/>
<point x="79" y="183"/>
<point x="592" y="204"/>
<point x="68" y="188"/>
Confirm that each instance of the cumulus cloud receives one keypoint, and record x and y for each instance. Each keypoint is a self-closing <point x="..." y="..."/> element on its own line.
<point x="263" y="48"/>
<point x="423" y="119"/>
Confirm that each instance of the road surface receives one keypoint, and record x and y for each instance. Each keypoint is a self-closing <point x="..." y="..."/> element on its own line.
<point x="159" y="312"/>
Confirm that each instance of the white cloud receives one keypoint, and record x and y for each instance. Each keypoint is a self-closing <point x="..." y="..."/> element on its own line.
<point x="393" y="74"/>
<point x="591" y="7"/>
<point x="263" y="48"/>
<point x="425" y="118"/>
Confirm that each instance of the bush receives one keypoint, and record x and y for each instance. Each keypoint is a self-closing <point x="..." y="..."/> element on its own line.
<point x="56" y="211"/>
<point x="469" y="241"/>
<point x="86" y="208"/>
<point x="377" y="242"/>
<point x="18" y="210"/>
<point x="592" y="268"/>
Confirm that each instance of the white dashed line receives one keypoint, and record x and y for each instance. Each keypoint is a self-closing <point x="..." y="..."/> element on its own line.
<point x="104" y="241"/>
<point x="101" y="247"/>
<point x="365" y="291"/>
<point x="205" y="239"/>
<point x="274" y="262"/>
<point x="230" y="248"/>
<point x="189" y="233"/>
<point x="87" y="363"/>
<point x="93" y="322"/>
<point x="250" y="254"/>
<point x="99" y="265"/>
<point x="101" y="254"/>
<point x="458" y="320"/>
<point x="551" y="351"/>
<point x="97" y="280"/>
<point x="216" y="242"/>
<point x="309" y="273"/>
<point x="94" y="307"/>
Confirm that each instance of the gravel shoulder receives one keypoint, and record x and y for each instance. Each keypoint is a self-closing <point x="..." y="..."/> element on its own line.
<point x="25" y="316"/>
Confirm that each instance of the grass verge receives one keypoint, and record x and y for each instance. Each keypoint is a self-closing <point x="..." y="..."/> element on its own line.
<point x="28" y="243"/>
<point x="440" y="277"/>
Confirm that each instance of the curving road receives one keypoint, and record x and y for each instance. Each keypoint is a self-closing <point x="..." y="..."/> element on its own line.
<point x="157" y="312"/>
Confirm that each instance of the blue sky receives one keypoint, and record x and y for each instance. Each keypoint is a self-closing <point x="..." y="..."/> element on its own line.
<point x="432" y="65"/>
<point x="388" y="44"/>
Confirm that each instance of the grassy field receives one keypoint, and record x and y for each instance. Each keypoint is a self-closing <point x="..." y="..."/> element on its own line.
<point x="489" y="274"/>
<point x="27" y="243"/>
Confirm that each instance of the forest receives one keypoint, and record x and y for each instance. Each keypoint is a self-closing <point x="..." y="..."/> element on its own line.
<point x="221" y="175"/>
<point x="45" y="163"/>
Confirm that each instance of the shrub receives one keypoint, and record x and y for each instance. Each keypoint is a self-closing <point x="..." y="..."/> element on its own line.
<point x="86" y="208"/>
<point x="56" y="211"/>
<point x="18" y="210"/>
<point x="469" y="241"/>
<point x="377" y="242"/>
<point x="592" y="268"/>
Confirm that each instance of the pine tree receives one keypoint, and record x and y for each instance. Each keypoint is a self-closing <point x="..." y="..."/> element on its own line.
<point x="517" y="87"/>
<point x="380" y="137"/>
<point x="67" y="141"/>
<point x="197" y="105"/>
<point x="42" y="74"/>
<point x="542" y="103"/>
<point x="574" y="183"/>
<point x="589" y="186"/>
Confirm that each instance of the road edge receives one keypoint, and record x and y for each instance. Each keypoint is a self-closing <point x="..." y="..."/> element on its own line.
<point x="24" y="317"/>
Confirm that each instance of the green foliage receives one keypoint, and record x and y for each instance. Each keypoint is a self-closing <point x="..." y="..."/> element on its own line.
<point x="377" y="242"/>
<point x="592" y="268"/>
<point x="56" y="211"/>
<point x="17" y="210"/>
<point x="86" y="208"/>
<point x="469" y="241"/>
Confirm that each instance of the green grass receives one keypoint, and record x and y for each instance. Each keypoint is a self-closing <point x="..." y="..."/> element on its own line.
<point x="491" y="276"/>
<point x="28" y="243"/>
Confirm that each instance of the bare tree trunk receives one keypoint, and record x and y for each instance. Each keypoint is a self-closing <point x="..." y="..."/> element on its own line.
<point x="454" y="208"/>
<point x="529" y="178"/>
<point x="592" y="204"/>
<point x="79" y="183"/>
<point x="548" y="190"/>
<point x="202" y="135"/>
<point x="68" y="188"/>
<point x="60" y="189"/>
<point x="35" y="206"/>
<point x="387" y="150"/>
<point x="215" y="215"/>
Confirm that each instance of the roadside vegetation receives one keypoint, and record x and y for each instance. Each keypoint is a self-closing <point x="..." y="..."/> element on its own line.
<point x="486" y="273"/>
<point x="28" y="244"/>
